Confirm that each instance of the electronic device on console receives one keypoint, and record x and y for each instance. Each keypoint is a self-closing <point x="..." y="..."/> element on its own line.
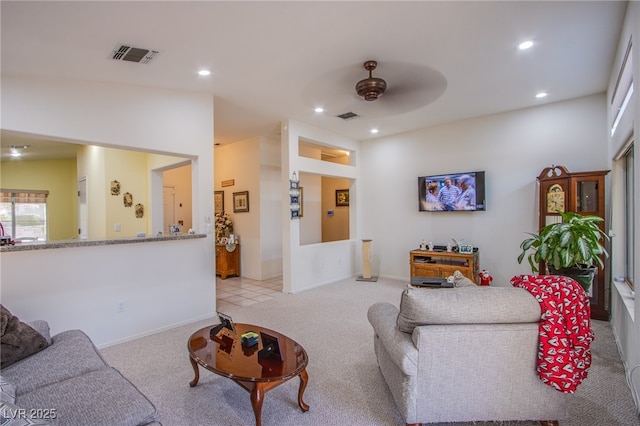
<point x="434" y="282"/>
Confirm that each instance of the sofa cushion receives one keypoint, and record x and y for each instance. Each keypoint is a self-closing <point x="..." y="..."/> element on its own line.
<point x="466" y="305"/>
<point x="17" y="339"/>
<point x="71" y="352"/>
<point x="98" y="398"/>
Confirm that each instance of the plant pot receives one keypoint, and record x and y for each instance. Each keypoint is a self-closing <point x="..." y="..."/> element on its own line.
<point x="584" y="276"/>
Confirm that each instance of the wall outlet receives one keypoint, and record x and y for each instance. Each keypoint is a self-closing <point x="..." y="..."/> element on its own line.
<point x="120" y="306"/>
<point x="116" y="227"/>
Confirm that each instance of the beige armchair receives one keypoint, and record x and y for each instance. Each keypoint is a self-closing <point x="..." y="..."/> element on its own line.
<point x="464" y="354"/>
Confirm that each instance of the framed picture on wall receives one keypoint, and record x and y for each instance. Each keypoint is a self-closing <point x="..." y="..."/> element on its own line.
<point x="218" y="202"/>
<point x="342" y="197"/>
<point x="241" y="201"/>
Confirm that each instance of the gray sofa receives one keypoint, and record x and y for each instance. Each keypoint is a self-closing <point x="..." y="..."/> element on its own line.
<point x="69" y="383"/>
<point x="464" y="354"/>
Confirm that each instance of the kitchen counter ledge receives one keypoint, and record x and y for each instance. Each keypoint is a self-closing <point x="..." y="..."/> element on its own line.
<point x="42" y="245"/>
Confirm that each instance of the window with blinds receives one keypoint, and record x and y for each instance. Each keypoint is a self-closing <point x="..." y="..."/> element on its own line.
<point x="23" y="214"/>
<point x="623" y="90"/>
<point x="629" y="215"/>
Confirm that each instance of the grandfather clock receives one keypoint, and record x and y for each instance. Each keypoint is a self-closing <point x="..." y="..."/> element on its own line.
<point x="581" y="192"/>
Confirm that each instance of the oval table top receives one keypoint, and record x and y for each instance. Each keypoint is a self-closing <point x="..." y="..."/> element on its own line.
<point x="225" y="355"/>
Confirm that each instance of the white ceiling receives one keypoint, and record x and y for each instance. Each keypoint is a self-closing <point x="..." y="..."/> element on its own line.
<point x="443" y="61"/>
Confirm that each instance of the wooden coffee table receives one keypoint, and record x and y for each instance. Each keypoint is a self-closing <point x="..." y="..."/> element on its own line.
<point x="227" y="357"/>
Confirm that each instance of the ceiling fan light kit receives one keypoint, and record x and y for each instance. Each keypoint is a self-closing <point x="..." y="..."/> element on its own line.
<point x="371" y="88"/>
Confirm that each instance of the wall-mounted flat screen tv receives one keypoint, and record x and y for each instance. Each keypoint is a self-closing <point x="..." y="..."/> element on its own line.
<point x="452" y="192"/>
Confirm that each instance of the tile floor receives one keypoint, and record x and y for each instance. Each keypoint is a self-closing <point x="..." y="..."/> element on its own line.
<point x="244" y="291"/>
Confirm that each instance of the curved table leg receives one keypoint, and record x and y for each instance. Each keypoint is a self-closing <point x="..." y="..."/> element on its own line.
<point x="257" y="398"/>
<point x="304" y="379"/>
<point x="194" y="364"/>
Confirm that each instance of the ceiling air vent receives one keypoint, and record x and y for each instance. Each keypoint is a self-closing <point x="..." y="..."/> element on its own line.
<point x="123" y="52"/>
<point x="348" y="115"/>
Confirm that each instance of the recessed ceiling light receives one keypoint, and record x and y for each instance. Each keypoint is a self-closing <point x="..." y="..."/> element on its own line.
<point x="16" y="151"/>
<point x="204" y="73"/>
<point x="525" y="45"/>
<point x="319" y="109"/>
<point x="541" y="95"/>
<point x="374" y="131"/>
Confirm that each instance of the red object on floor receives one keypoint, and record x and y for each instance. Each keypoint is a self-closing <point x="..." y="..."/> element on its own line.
<point x="485" y="278"/>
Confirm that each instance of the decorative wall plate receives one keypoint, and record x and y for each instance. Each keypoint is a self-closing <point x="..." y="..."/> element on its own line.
<point x="115" y="187"/>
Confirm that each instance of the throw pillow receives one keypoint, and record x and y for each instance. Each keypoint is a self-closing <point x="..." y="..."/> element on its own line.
<point x="41" y="327"/>
<point x="460" y="280"/>
<point x="17" y="339"/>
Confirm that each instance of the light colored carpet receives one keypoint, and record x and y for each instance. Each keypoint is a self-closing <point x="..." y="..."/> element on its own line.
<point x="345" y="384"/>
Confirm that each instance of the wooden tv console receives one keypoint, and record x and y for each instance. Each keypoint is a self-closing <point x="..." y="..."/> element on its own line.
<point x="425" y="263"/>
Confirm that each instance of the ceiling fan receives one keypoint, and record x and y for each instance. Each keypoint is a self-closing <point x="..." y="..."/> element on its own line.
<point x="371" y="88"/>
<point x="406" y="87"/>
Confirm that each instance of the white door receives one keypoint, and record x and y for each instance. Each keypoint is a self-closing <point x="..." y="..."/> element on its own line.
<point x="83" y="209"/>
<point x="169" y="208"/>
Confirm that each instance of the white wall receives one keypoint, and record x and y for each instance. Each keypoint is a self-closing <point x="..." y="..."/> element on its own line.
<point x="311" y="202"/>
<point x="162" y="284"/>
<point x="161" y="121"/>
<point x="625" y="309"/>
<point x="312" y="265"/>
<point x="270" y="206"/>
<point x="512" y="148"/>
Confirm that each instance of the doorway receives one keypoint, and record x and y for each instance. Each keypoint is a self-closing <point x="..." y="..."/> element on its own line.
<point x="168" y="207"/>
<point x="83" y="209"/>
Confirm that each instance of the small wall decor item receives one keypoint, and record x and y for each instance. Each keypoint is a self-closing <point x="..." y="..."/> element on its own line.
<point x="139" y="210"/>
<point x="342" y="197"/>
<point x="115" y="187"/>
<point x="301" y="202"/>
<point x="128" y="199"/>
<point x="294" y="196"/>
<point x="241" y="202"/>
<point x="229" y="182"/>
<point x="218" y="202"/>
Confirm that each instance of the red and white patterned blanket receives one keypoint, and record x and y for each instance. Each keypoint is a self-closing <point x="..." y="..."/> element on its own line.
<point x="564" y="354"/>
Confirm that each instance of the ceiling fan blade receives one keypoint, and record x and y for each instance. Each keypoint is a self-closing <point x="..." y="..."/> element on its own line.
<point x="409" y="87"/>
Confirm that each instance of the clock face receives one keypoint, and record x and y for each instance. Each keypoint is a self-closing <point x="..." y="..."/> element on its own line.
<point x="555" y="199"/>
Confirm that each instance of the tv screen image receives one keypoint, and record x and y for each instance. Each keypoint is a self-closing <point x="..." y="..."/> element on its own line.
<point x="451" y="192"/>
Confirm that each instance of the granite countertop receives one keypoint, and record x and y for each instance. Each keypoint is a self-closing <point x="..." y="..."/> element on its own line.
<point x="41" y="245"/>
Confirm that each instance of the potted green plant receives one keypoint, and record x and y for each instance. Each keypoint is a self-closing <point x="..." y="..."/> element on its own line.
<point x="573" y="247"/>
